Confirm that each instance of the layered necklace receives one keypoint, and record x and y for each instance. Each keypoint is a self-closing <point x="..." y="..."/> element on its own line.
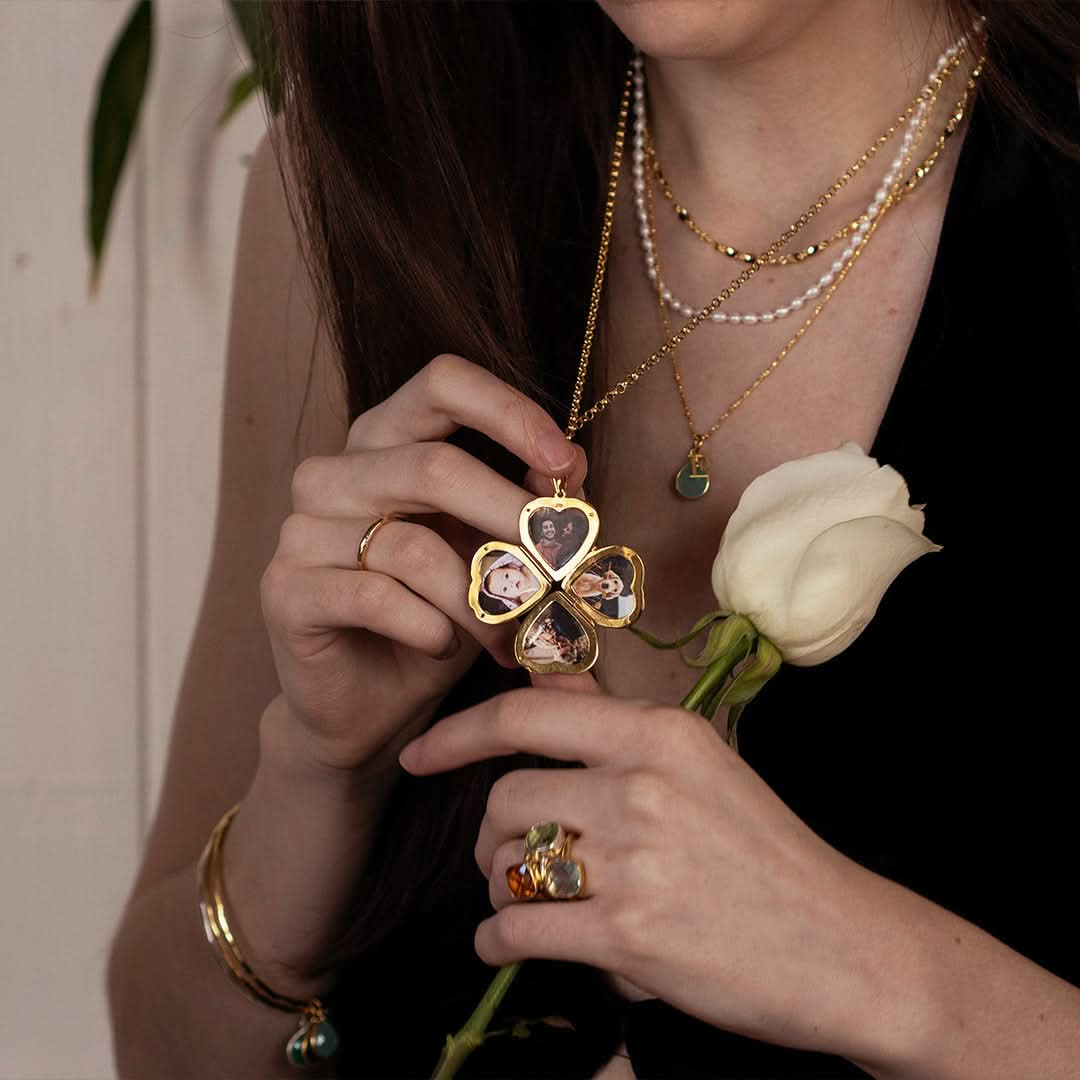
<point x="692" y="479"/>
<point x="566" y="585"/>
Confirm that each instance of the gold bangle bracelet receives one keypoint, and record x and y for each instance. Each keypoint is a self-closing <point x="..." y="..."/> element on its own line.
<point x="315" y="1039"/>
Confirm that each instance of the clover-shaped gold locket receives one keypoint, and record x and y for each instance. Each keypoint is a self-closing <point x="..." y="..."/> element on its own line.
<point x="564" y="585"/>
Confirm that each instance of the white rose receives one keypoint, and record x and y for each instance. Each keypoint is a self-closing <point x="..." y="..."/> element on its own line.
<point x="812" y="547"/>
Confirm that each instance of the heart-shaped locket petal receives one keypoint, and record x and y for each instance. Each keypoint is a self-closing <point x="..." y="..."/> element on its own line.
<point x="504" y="582"/>
<point x="558" y="532"/>
<point x="555" y="638"/>
<point x="611" y="581"/>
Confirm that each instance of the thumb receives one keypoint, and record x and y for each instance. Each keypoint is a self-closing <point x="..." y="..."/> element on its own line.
<point x="583" y="682"/>
<point x="540" y="483"/>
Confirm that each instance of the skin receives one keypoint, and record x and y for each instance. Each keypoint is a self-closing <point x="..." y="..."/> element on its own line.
<point x="547" y="530"/>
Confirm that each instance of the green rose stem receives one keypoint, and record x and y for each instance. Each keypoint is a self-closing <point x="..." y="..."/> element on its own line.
<point x="732" y="638"/>
<point x="458" y="1047"/>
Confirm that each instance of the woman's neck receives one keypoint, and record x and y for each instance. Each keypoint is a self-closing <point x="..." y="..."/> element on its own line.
<point x="749" y="132"/>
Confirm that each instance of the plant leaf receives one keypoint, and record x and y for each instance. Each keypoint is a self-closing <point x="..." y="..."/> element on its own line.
<point x="731" y="635"/>
<point x="239" y="92"/>
<point x="119" y="99"/>
<point x="745" y="686"/>
<point x="253" y="21"/>
<point x="732" y="724"/>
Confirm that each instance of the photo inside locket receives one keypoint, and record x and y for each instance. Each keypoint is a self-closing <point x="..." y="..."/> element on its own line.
<point x="607" y="585"/>
<point x="556" y="637"/>
<point x="558" y="534"/>
<point x="506" y="582"/>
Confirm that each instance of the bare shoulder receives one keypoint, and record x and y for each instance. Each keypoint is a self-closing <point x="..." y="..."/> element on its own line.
<point x="283" y="400"/>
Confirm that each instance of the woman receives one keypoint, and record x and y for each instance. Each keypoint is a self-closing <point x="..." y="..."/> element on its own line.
<point x="878" y="885"/>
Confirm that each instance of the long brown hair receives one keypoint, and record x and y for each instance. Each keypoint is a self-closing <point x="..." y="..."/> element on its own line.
<point x="451" y="158"/>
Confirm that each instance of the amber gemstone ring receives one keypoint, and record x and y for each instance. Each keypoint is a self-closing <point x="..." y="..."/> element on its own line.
<point x="546" y="870"/>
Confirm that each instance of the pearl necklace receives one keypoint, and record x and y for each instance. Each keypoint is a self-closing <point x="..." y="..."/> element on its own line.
<point x="859" y="234"/>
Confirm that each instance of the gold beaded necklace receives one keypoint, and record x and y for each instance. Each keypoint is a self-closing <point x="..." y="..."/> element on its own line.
<point x="789" y="258"/>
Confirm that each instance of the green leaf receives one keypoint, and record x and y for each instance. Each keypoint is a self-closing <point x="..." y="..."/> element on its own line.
<point x="730" y="650"/>
<point x="745" y="686"/>
<point x="239" y="92"/>
<point x="253" y="20"/>
<point x="725" y="637"/>
<point x="732" y="726"/>
<point x="119" y="100"/>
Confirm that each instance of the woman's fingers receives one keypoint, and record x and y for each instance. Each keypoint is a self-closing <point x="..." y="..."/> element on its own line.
<point x="426" y="477"/>
<point x="451" y="392"/>
<point x="576" y="798"/>
<point x="591" y="728"/>
<point x="320" y="598"/>
<point x="414" y="555"/>
<point x="571" y="930"/>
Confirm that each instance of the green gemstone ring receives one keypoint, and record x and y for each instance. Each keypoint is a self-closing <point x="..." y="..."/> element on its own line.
<point x="547" y="872"/>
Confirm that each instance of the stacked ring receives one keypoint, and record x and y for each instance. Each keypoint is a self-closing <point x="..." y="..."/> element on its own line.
<point x="369" y="532"/>
<point x="546" y="870"/>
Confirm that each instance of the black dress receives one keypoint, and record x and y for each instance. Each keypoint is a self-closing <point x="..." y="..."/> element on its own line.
<point x="950" y="742"/>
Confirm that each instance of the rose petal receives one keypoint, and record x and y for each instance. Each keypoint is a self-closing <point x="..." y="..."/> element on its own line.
<point x="796" y="478"/>
<point x="839" y="584"/>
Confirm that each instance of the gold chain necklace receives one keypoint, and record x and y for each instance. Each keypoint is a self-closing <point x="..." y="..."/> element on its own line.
<point x="791" y="258"/>
<point x="692" y="480"/>
<point x="555" y="580"/>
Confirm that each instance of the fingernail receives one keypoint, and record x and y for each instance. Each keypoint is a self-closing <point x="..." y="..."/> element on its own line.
<point x="560" y="453"/>
<point x="407" y="757"/>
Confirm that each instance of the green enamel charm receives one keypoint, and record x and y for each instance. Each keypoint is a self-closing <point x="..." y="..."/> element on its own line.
<point x="690" y="484"/>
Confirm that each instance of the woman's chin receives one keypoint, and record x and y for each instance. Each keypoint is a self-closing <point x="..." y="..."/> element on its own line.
<point x="709" y="29"/>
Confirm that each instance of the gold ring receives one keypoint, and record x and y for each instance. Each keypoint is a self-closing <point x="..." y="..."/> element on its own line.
<point x="546" y="870"/>
<point x="369" y="532"/>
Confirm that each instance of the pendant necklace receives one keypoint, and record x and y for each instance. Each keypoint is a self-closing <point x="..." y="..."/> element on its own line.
<point x="556" y="581"/>
<point x="557" y="578"/>
<point x="692" y="479"/>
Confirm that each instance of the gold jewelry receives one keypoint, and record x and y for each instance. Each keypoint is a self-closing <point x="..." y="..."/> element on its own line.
<point x="552" y="576"/>
<point x="692" y="480"/>
<point x="369" y="532"/>
<point x="558" y="635"/>
<point x="844" y="231"/>
<point x="553" y="636"/>
<point x="546" y="870"/>
<point x="315" y="1039"/>
<point x="684" y="215"/>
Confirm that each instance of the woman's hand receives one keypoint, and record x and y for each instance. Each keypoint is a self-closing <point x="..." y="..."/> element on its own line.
<point x="701" y="887"/>
<point x="363" y="656"/>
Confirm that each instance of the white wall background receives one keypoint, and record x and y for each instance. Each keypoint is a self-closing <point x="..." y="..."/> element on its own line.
<point x="109" y="436"/>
